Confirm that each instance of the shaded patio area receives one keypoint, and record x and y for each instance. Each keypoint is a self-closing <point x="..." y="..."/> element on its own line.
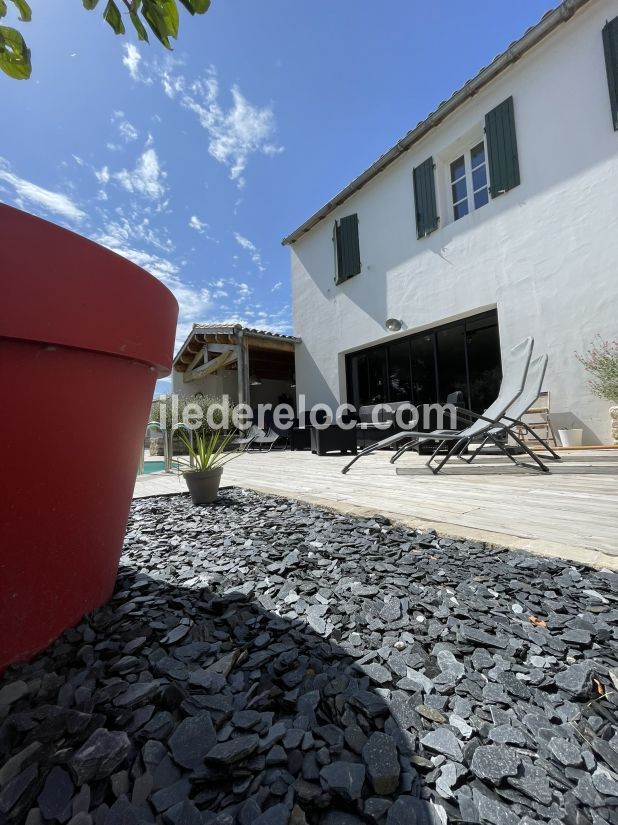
<point x="571" y="512"/>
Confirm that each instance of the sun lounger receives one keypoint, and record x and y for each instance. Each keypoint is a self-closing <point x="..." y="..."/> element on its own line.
<point x="515" y="369"/>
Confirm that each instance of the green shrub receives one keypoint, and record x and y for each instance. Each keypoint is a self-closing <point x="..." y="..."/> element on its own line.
<point x="601" y="361"/>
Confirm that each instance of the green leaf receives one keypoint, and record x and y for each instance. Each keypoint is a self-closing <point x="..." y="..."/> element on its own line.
<point x="2" y="8"/>
<point x="169" y="15"/>
<point x="139" y="27"/>
<point x="151" y="9"/>
<point x="196" y="6"/>
<point x="112" y="16"/>
<point x="25" y="13"/>
<point x="90" y="4"/>
<point x="14" y="54"/>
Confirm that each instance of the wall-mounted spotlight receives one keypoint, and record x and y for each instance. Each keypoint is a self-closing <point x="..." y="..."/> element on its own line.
<point x="393" y="325"/>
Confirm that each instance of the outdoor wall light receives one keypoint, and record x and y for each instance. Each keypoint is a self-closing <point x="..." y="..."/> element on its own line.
<point x="393" y="324"/>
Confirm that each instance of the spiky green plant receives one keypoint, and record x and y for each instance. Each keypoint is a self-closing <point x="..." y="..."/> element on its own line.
<point x="208" y="449"/>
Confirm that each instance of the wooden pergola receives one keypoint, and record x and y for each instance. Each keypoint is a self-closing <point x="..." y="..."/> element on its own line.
<point x="250" y="352"/>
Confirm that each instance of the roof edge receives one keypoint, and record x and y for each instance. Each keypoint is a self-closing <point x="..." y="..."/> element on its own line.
<point x="232" y="329"/>
<point x="534" y="35"/>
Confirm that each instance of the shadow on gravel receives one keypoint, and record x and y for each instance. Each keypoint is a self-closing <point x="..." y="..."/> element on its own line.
<point x="188" y="699"/>
<point x="222" y="702"/>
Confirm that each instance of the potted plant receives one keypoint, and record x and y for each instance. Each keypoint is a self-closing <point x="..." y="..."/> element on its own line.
<point x="208" y="456"/>
<point x="72" y="331"/>
<point x="601" y="361"/>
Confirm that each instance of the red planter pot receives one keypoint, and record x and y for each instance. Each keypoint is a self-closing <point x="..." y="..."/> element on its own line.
<point x="84" y="334"/>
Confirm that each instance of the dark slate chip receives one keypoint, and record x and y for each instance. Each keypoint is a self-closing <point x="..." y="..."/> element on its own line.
<point x="480" y="637"/>
<point x="55" y="798"/>
<point x="234" y="750"/>
<point x="13" y="692"/>
<point x="171" y="795"/>
<point x="492" y="811"/>
<point x="576" y="680"/>
<point x="408" y="810"/>
<point x="533" y="782"/>
<point x="443" y="740"/>
<point x="264" y="660"/>
<point x="495" y="762"/>
<point x="565" y="751"/>
<point x="183" y="813"/>
<point x="277" y="815"/>
<point x="19" y="790"/>
<point x="192" y="740"/>
<point x="100" y="756"/>
<point x="344" y="779"/>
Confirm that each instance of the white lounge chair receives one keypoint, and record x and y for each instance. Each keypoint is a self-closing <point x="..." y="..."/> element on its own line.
<point x="257" y="437"/>
<point x="509" y="422"/>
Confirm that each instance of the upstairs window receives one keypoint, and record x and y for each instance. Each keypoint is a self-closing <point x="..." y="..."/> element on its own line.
<point x="347" y="249"/>
<point x="469" y="181"/>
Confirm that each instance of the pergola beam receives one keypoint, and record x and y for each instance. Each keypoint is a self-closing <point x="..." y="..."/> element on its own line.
<point x="212" y="366"/>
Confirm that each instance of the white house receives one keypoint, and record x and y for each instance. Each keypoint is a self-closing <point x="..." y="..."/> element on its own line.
<point x="494" y="219"/>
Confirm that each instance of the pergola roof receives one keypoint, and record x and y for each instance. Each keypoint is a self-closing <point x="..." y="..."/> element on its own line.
<point x="231" y="334"/>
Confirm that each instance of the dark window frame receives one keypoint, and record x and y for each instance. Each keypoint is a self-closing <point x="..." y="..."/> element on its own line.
<point x="489" y="315"/>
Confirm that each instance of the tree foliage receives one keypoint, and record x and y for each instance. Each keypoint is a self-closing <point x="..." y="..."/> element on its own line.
<point x="159" y="17"/>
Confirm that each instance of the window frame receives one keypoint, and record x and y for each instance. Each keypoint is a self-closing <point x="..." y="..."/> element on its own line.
<point x="466" y="153"/>
<point x="488" y="317"/>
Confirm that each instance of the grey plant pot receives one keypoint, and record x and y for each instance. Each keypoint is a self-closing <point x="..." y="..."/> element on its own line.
<point x="203" y="486"/>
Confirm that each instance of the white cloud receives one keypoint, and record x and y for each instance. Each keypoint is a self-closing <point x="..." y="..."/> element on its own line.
<point x="102" y="175"/>
<point x="131" y="60"/>
<point x="127" y="131"/>
<point x="235" y="133"/>
<point x="251" y="249"/>
<point x="277" y="286"/>
<point x="147" y="179"/>
<point x="28" y="194"/>
<point x="125" y="238"/>
<point x="197" y="224"/>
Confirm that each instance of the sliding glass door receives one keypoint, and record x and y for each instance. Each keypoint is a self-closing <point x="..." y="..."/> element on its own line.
<point x="427" y="367"/>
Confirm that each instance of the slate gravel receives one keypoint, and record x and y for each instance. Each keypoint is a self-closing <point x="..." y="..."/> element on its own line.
<point x="269" y="663"/>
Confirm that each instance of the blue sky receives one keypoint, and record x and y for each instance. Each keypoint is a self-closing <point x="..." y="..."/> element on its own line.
<point x="195" y="164"/>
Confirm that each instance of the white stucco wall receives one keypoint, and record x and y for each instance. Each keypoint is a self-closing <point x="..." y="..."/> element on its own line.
<point x="544" y="253"/>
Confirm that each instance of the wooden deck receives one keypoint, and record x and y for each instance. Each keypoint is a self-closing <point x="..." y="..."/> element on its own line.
<point x="571" y="513"/>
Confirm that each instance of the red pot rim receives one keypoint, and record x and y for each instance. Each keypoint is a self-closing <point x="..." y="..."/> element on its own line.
<point x="61" y="289"/>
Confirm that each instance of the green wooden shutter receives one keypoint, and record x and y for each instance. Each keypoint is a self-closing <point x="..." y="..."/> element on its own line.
<point x="427" y="219"/>
<point x="502" y="148"/>
<point x="348" y="249"/>
<point x="610" y="45"/>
